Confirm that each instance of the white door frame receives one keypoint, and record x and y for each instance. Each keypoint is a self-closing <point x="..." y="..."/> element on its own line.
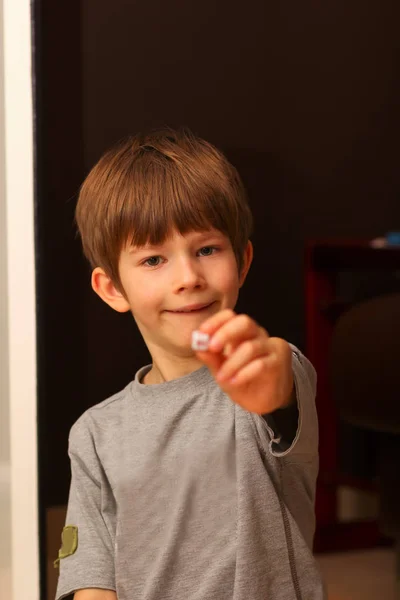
<point x="18" y="345"/>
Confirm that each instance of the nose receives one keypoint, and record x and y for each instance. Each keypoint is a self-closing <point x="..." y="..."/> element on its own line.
<point x="188" y="275"/>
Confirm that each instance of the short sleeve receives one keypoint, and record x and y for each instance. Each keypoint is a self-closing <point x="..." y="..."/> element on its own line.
<point x="303" y="443"/>
<point x="89" y="562"/>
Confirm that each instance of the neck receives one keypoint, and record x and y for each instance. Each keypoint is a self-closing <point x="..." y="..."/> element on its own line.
<point x="167" y="369"/>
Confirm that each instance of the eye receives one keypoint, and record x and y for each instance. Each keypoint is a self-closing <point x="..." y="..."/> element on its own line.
<point x="153" y="261"/>
<point x="207" y="250"/>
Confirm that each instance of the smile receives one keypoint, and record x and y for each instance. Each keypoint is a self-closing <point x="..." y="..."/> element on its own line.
<point x="195" y="308"/>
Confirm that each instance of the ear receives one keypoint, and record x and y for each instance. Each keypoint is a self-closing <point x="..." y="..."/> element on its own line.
<point x="247" y="260"/>
<point x="105" y="288"/>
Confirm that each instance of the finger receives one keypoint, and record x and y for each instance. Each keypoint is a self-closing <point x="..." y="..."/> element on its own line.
<point x="211" y="360"/>
<point x="243" y="355"/>
<point x="211" y="325"/>
<point x="249" y="372"/>
<point x="228" y="350"/>
<point x="236" y="331"/>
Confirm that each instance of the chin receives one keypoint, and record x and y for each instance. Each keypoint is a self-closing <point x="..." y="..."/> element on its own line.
<point x="184" y="351"/>
<point x="184" y="345"/>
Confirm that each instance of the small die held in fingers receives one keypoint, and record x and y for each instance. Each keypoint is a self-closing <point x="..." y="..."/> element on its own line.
<point x="200" y="341"/>
<point x="252" y="368"/>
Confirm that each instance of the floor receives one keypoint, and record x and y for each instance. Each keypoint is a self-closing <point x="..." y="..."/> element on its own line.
<point x="368" y="575"/>
<point x="5" y="532"/>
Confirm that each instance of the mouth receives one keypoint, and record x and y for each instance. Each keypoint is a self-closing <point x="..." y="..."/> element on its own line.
<point x="191" y="309"/>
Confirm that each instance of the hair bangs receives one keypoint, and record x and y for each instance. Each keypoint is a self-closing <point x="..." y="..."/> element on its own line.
<point x="170" y="199"/>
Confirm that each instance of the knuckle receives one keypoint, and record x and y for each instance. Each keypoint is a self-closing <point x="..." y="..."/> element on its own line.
<point x="273" y="360"/>
<point x="245" y="319"/>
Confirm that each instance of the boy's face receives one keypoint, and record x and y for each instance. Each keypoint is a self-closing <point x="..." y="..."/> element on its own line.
<point x="172" y="288"/>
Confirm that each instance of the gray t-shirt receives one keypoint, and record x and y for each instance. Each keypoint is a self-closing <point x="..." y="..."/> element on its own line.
<point x="177" y="493"/>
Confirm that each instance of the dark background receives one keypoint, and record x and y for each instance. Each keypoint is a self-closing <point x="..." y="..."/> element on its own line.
<point x="304" y="99"/>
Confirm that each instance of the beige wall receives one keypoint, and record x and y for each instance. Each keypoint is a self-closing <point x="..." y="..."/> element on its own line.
<point x="5" y="491"/>
<point x="18" y="432"/>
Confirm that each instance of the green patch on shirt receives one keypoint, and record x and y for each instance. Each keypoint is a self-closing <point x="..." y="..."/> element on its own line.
<point x="69" y="543"/>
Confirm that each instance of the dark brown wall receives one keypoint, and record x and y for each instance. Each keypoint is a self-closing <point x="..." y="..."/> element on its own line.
<point x="303" y="97"/>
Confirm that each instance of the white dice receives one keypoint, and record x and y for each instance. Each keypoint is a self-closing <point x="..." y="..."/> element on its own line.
<point x="200" y="341"/>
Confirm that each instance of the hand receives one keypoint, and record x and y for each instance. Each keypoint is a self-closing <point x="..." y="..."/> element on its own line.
<point x="255" y="370"/>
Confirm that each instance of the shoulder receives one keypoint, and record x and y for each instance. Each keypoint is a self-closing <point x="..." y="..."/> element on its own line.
<point x="106" y="416"/>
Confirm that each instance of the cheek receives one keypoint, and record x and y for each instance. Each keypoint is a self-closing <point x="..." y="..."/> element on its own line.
<point x="227" y="278"/>
<point x="144" y="296"/>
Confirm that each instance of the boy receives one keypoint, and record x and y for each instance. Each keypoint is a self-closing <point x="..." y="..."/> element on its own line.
<point x="197" y="481"/>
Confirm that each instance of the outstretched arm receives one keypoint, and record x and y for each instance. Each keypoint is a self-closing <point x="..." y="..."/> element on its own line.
<point x="95" y="594"/>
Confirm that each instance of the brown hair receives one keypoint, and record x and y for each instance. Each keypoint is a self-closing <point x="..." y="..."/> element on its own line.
<point x="150" y="184"/>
